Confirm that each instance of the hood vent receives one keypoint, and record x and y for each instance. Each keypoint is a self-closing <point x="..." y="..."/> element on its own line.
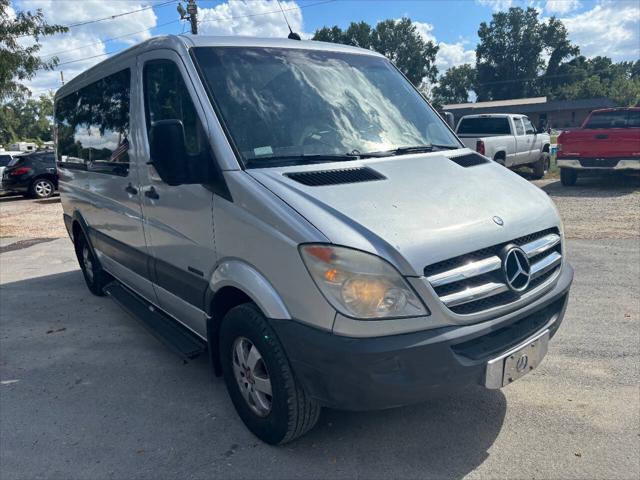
<point x="469" y="160"/>
<point x="335" y="177"/>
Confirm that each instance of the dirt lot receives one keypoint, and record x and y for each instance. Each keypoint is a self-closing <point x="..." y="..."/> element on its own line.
<point x="25" y="218"/>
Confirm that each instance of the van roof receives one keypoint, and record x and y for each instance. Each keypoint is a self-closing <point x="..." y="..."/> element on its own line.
<point x="182" y="43"/>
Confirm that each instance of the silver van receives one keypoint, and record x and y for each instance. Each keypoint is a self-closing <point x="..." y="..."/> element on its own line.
<point x="299" y="213"/>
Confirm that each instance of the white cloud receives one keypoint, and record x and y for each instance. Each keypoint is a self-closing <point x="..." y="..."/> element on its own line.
<point x="449" y="54"/>
<point x="496" y="5"/>
<point x="86" y="40"/>
<point x="611" y="28"/>
<point x="425" y="30"/>
<point x="561" y="7"/>
<point x="454" y="54"/>
<point x="258" y="18"/>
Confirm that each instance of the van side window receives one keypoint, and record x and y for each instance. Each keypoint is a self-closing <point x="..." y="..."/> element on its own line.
<point x="167" y="98"/>
<point x="92" y="126"/>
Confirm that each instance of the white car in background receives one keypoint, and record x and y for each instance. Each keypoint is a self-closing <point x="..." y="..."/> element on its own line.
<point x="509" y="139"/>
<point x="6" y="156"/>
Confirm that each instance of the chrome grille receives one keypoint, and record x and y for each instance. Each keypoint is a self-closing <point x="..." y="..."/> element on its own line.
<point x="475" y="281"/>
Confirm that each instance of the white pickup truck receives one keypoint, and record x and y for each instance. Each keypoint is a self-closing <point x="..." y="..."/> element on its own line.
<point x="510" y="140"/>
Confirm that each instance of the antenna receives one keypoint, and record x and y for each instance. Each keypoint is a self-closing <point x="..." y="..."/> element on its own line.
<point x="292" y="35"/>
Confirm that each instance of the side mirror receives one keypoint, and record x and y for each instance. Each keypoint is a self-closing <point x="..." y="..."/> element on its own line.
<point x="168" y="151"/>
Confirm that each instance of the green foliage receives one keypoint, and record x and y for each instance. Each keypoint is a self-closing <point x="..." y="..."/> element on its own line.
<point x="19" y="37"/>
<point x="26" y="119"/>
<point x="509" y="56"/>
<point x="454" y="86"/>
<point x="398" y="40"/>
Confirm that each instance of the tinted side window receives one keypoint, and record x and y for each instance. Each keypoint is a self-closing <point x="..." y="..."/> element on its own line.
<point x="167" y="98"/>
<point x="93" y="126"/>
<point x="634" y="119"/>
<point x="608" y="120"/>
<point x="519" y="128"/>
<point x="4" y="160"/>
<point x="485" y="126"/>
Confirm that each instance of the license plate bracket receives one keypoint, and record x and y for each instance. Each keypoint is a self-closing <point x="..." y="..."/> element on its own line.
<point x="516" y="363"/>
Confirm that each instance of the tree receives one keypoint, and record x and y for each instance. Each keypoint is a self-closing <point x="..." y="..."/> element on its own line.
<point x="398" y="40"/>
<point x="19" y="60"/>
<point x="509" y="56"/>
<point x="26" y="119"/>
<point x="454" y="86"/>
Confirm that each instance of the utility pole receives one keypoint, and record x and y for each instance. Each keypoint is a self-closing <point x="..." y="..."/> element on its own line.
<point x="191" y="14"/>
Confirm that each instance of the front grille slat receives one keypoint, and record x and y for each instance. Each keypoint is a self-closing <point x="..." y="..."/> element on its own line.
<point x="474" y="282"/>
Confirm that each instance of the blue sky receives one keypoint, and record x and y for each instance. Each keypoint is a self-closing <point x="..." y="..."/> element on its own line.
<point x="599" y="27"/>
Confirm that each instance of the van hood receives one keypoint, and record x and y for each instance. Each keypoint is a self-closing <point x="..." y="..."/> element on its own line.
<point x="426" y="209"/>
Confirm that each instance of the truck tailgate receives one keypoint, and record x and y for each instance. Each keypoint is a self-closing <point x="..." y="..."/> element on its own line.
<point x="601" y="143"/>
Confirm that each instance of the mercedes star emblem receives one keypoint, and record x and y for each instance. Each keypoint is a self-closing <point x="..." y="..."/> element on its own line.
<point x="516" y="269"/>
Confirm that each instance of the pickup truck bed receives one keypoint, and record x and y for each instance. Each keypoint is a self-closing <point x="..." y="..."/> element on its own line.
<point x="510" y="140"/>
<point x="609" y="140"/>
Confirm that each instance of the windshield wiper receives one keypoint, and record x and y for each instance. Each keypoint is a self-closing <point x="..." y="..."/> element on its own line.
<point x="305" y="159"/>
<point x="430" y="147"/>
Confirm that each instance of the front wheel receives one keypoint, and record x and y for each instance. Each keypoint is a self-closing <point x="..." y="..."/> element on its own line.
<point x="42" y="188"/>
<point x="568" y="177"/>
<point x="541" y="167"/>
<point x="266" y="395"/>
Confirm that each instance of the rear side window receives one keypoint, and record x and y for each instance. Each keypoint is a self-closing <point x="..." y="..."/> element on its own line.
<point x="634" y="119"/>
<point x="615" y="119"/>
<point x="92" y="126"/>
<point x="485" y="126"/>
<point x="4" y="160"/>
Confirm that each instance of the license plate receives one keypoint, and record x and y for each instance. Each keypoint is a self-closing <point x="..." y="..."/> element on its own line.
<point x="509" y="367"/>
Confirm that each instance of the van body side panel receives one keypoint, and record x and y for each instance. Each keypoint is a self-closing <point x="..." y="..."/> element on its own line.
<point x="260" y="230"/>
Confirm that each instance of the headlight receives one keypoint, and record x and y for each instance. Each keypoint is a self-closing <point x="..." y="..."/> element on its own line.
<point x="359" y="284"/>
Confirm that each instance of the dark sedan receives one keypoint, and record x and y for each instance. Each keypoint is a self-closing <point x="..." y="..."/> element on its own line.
<point x="32" y="175"/>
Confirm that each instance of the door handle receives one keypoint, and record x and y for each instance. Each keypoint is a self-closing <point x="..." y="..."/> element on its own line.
<point x="151" y="193"/>
<point x="130" y="189"/>
<point x="602" y="136"/>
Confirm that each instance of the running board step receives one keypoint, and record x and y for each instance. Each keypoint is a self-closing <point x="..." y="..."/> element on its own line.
<point x="179" y="339"/>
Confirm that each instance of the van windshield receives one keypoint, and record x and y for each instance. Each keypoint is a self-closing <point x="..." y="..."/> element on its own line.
<point x="289" y="106"/>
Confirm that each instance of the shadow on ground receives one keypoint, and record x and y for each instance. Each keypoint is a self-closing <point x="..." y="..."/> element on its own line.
<point x="97" y="396"/>
<point x="596" y="186"/>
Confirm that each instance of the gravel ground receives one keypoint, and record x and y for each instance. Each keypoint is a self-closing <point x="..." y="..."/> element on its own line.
<point x="26" y="218"/>
<point x="598" y="207"/>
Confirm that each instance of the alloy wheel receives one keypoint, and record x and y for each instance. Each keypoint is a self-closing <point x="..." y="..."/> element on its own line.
<point x="43" y="188"/>
<point x="252" y="376"/>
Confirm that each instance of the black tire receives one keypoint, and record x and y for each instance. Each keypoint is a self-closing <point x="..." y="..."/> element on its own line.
<point x="541" y="167"/>
<point x="41" y="188"/>
<point x="568" y="177"/>
<point x="292" y="412"/>
<point x="94" y="276"/>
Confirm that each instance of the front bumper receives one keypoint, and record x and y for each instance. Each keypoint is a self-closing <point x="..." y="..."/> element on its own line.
<point x="599" y="164"/>
<point x="383" y="372"/>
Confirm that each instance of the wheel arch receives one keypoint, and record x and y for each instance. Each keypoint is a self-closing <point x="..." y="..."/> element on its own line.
<point x="233" y="283"/>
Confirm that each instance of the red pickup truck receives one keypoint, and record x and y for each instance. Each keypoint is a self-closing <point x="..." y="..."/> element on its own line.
<point x="609" y="140"/>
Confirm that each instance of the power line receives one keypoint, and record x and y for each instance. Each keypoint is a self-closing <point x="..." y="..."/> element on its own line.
<point x="167" y="23"/>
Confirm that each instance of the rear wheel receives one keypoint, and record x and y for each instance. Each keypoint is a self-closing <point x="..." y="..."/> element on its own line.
<point x="94" y="276"/>
<point x="261" y="384"/>
<point x="568" y="177"/>
<point x="42" y="188"/>
<point x="541" y="167"/>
